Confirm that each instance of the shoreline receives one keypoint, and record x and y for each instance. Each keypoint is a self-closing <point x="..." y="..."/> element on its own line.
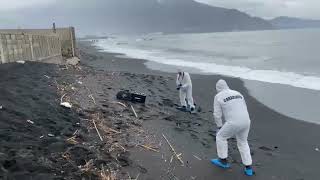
<point x="264" y="92"/>
<point x="279" y="151"/>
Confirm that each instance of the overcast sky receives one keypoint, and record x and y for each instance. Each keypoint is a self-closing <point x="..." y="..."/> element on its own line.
<point x="261" y="8"/>
<point x="14" y="5"/>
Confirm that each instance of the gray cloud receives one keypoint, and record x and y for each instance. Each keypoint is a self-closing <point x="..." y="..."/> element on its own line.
<point x="11" y="5"/>
<point x="272" y="8"/>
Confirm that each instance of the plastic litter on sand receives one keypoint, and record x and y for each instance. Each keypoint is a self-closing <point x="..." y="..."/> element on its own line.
<point x="29" y="121"/>
<point x="66" y="105"/>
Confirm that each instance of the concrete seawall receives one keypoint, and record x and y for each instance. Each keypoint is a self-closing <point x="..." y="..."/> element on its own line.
<point x="37" y="44"/>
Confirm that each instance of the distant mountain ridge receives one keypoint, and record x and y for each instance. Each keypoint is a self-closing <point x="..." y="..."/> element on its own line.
<point x="284" y="22"/>
<point x="145" y="16"/>
<point x="184" y="16"/>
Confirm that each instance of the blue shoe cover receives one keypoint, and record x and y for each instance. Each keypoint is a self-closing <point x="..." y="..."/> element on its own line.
<point x="248" y="171"/>
<point x="218" y="163"/>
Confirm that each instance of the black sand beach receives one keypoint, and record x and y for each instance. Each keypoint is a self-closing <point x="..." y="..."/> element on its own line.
<point x="27" y="151"/>
<point x="282" y="148"/>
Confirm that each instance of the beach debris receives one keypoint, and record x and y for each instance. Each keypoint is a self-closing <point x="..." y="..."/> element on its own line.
<point x="73" y="61"/>
<point x="56" y="83"/>
<point x="114" y="131"/>
<point x="1" y="107"/>
<point x="66" y="105"/>
<point x="149" y="148"/>
<point x="61" y="99"/>
<point x="137" y="177"/>
<point x="72" y="140"/>
<point x="29" y="121"/>
<point x="20" y="62"/>
<point x="134" y="111"/>
<point x="197" y="157"/>
<point x="124" y="95"/>
<point x="50" y="135"/>
<point x="178" y="156"/>
<point x="131" y="96"/>
<point x="171" y="159"/>
<point x="46" y="76"/>
<point x="76" y="132"/>
<point x="138" y="97"/>
<point x="79" y="82"/>
<point x="118" y="145"/>
<point x="107" y="174"/>
<point x="95" y="126"/>
<point x="122" y="104"/>
<point x="317" y="149"/>
<point x="91" y="96"/>
<point x="87" y="167"/>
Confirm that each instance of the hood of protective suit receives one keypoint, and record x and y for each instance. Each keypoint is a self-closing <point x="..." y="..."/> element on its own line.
<point x="221" y="85"/>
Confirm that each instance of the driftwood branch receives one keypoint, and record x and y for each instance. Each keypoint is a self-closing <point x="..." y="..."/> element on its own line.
<point x="124" y="149"/>
<point x="95" y="126"/>
<point x="76" y="132"/>
<point x="114" y="131"/>
<point x="178" y="156"/>
<point x="197" y="157"/>
<point x="137" y="177"/>
<point x="61" y="100"/>
<point x="90" y="96"/>
<point x="149" y="148"/>
<point x="134" y="111"/>
<point x="122" y="104"/>
<point x="72" y="140"/>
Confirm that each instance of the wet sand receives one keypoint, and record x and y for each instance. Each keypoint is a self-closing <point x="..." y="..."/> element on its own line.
<point x="64" y="143"/>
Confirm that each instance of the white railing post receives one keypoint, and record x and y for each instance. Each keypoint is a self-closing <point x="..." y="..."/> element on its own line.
<point x="72" y="41"/>
<point x="31" y="47"/>
<point x="2" y="50"/>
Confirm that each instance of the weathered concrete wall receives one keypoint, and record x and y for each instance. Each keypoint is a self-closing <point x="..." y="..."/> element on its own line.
<point x="66" y="35"/>
<point x="28" y="47"/>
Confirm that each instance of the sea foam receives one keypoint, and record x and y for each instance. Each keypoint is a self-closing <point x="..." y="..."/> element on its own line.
<point x="270" y="76"/>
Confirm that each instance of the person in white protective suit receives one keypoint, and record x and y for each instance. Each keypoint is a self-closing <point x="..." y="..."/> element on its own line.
<point x="231" y="105"/>
<point x="184" y="85"/>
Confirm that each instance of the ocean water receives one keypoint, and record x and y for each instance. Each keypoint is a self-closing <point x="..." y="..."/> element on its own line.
<point x="271" y="63"/>
<point x="288" y="57"/>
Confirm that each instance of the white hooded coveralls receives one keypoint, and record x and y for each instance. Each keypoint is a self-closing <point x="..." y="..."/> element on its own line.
<point x="185" y="91"/>
<point x="231" y="105"/>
